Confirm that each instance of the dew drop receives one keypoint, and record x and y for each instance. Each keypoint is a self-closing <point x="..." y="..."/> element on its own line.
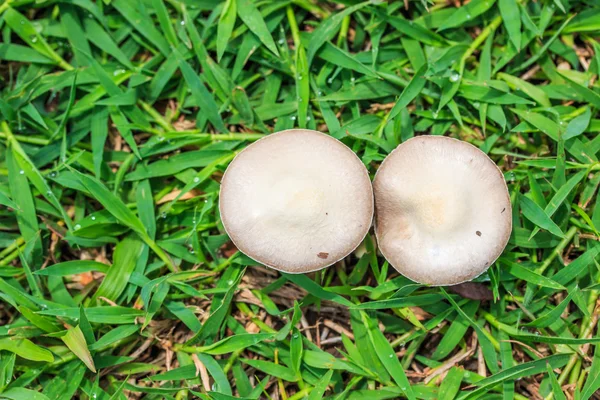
<point x="391" y="356"/>
<point x="49" y="193"/>
<point x="295" y="336"/>
<point x="163" y="215"/>
<point x="7" y="381"/>
<point x="161" y="138"/>
<point x="308" y="118"/>
<point x="435" y="115"/>
<point x="193" y="221"/>
<point x="21" y="172"/>
<point x="476" y="104"/>
<point x="230" y="282"/>
<point x="22" y="22"/>
<point x="330" y="80"/>
<point x="52" y="174"/>
<point x="454" y="77"/>
<point x="468" y="16"/>
<point x="319" y="93"/>
<point x="182" y="23"/>
<point x="281" y="41"/>
<point x="77" y="227"/>
<point x="93" y="218"/>
<point x="191" y="251"/>
<point x="299" y="77"/>
<point x="34" y="39"/>
<point x="293" y="117"/>
<point x="353" y="79"/>
<point x="196" y="180"/>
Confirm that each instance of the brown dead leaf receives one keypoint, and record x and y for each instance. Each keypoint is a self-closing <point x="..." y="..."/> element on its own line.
<point x="173" y="195"/>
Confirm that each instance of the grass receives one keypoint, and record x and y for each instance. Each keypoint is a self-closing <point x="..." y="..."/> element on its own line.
<point x="118" y="118"/>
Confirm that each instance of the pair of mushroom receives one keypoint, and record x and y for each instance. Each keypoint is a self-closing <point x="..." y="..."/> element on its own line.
<point x="299" y="201"/>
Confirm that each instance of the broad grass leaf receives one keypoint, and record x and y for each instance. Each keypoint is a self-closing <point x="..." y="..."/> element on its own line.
<point x="412" y="30"/>
<point x="451" y="384"/>
<point x="140" y="22"/>
<point x="100" y="38"/>
<point x="203" y="97"/>
<point x="410" y="91"/>
<point x="114" y="335"/>
<point x="327" y="29"/>
<point x="518" y="371"/>
<point x="388" y="357"/>
<point x="578" y="125"/>
<point x="529" y="89"/>
<point x="316" y="290"/>
<point x="225" y="27"/>
<point x="511" y="18"/>
<point x="592" y="383"/>
<point x="19" y="53"/>
<point x="164" y="21"/>
<point x="302" y="85"/>
<point x="535" y="214"/>
<point x="319" y="389"/>
<point x="235" y="343"/>
<point x="26" y="349"/>
<point x="125" y="256"/>
<point x="253" y="19"/>
<point x="551" y="316"/>
<point x="269" y="368"/>
<point x="75" y="341"/>
<point x="526" y="274"/>
<point x="20" y="393"/>
<point x="466" y="13"/>
<point x="73" y="268"/>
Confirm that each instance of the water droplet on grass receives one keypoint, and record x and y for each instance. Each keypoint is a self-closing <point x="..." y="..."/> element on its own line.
<point x="196" y="179"/>
<point x="21" y="172"/>
<point x="77" y="227"/>
<point x="454" y="77"/>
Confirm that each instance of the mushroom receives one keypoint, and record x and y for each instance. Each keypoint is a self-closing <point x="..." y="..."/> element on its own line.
<point x="296" y="201"/>
<point x="443" y="213"/>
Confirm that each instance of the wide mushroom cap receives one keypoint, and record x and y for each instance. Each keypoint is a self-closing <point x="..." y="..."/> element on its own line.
<point x="443" y="213"/>
<point x="296" y="201"/>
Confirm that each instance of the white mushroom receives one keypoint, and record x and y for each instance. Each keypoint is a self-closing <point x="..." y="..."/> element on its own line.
<point x="296" y="201"/>
<point x="443" y="213"/>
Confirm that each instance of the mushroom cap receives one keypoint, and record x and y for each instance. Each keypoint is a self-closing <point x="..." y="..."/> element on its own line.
<point x="442" y="210"/>
<point x="296" y="201"/>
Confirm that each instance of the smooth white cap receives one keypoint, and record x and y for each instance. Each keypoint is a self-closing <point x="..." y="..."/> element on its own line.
<point x="443" y="213"/>
<point x="296" y="201"/>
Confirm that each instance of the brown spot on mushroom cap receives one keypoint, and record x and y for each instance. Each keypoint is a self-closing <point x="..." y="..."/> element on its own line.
<point x="292" y="192"/>
<point x="431" y="194"/>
